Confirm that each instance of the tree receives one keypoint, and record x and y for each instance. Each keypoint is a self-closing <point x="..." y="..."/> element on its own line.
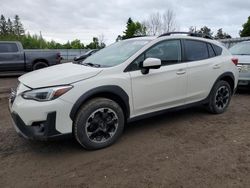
<point x="18" y="26"/>
<point x="168" y="21"/>
<point x="245" y="32"/>
<point x="76" y="44"/>
<point x="3" y="26"/>
<point x="132" y="29"/>
<point x="101" y="40"/>
<point x="222" y="35"/>
<point x="119" y="37"/>
<point x="192" y="29"/>
<point x="160" y="23"/>
<point x="153" y="24"/>
<point x="10" y="30"/>
<point x="205" y="31"/>
<point x="94" y="44"/>
<point x="67" y="45"/>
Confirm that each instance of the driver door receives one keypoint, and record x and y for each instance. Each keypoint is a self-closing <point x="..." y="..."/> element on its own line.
<point x="161" y="88"/>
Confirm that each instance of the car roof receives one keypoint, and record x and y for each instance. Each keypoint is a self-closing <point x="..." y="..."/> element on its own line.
<point x="177" y="36"/>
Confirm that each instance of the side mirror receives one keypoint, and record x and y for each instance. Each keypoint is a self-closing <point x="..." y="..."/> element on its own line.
<point x="150" y="63"/>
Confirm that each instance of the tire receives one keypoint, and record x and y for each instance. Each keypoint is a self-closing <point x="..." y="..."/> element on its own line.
<point x="220" y="97"/>
<point x="39" y="65"/>
<point x="98" y="123"/>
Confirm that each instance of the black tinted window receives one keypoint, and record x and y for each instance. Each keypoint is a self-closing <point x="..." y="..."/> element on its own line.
<point x="217" y="49"/>
<point x="8" y="47"/>
<point x="195" y="50"/>
<point x="211" y="51"/>
<point x="168" y="52"/>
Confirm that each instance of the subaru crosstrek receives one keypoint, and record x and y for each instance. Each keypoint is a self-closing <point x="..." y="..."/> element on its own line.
<point x="126" y="81"/>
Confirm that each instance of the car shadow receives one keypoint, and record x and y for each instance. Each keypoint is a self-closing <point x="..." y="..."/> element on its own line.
<point x="243" y="91"/>
<point x="66" y="145"/>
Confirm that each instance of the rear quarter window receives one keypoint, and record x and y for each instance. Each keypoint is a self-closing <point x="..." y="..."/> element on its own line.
<point x="195" y="50"/>
<point x="211" y="50"/>
<point x="217" y="49"/>
<point x="8" y="47"/>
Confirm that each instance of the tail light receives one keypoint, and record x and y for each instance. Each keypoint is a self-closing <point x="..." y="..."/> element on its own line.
<point x="235" y="61"/>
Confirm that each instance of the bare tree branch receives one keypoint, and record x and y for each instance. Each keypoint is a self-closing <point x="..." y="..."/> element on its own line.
<point x="160" y="23"/>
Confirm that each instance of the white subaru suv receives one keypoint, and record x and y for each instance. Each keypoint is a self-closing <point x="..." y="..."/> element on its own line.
<point x="126" y="81"/>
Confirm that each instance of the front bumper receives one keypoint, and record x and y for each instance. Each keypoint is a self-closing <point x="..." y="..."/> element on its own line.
<point x="37" y="122"/>
<point x="44" y="130"/>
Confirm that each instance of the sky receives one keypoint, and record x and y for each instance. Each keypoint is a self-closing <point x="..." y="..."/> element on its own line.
<point x="63" y="20"/>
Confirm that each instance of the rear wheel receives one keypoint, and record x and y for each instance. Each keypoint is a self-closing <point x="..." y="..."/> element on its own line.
<point x="220" y="97"/>
<point x="99" y="123"/>
<point x="39" y="65"/>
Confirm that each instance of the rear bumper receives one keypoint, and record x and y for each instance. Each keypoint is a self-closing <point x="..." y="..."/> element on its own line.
<point x="243" y="83"/>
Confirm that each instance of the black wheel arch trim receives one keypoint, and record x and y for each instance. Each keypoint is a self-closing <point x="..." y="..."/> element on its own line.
<point x="226" y="74"/>
<point x="98" y="91"/>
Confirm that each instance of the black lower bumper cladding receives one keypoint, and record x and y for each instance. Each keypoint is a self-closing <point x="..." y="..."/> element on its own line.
<point x="39" y="130"/>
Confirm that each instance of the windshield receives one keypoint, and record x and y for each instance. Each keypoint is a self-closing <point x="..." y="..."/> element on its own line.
<point x="115" y="54"/>
<point x="241" y="49"/>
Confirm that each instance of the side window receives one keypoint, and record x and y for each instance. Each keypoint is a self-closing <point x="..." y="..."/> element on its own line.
<point x="217" y="49"/>
<point x="195" y="50"/>
<point x="135" y="65"/>
<point x="169" y="52"/>
<point x="8" y="47"/>
<point x="210" y="51"/>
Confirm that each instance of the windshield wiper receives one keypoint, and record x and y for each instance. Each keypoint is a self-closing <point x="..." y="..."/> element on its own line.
<point x="91" y="64"/>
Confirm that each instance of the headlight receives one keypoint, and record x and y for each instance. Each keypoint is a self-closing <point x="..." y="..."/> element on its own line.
<point x="46" y="94"/>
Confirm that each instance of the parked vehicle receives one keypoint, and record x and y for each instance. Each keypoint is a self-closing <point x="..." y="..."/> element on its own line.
<point x="242" y="52"/>
<point x="129" y="80"/>
<point x="14" y="58"/>
<point x="84" y="56"/>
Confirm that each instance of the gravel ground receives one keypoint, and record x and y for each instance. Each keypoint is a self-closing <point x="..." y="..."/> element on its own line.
<point x="188" y="148"/>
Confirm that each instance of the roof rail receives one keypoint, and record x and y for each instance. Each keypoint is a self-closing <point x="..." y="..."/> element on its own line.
<point x="188" y="34"/>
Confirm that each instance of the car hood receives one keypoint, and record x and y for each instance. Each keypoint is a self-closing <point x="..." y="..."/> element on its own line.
<point x="243" y="59"/>
<point x="62" y="74"/>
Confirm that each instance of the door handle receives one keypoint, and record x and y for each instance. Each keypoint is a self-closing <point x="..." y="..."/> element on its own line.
<point x="217" y="66"/>
<point x="181" y="71"/>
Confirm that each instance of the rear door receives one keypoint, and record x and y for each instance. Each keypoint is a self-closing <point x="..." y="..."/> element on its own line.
<point x="11" y="58"/>
<point x="203" y="68"/>
<point x="161" y="88"/>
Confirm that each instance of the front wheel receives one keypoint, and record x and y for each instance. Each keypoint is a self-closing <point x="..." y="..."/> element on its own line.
<point x="98" y="123"/>
<point x="220" y="97"/>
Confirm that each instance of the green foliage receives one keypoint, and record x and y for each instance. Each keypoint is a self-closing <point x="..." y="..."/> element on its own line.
<point x="3" y="26"/>
<point x="76" y="44"/>
<point x="94" y="44"/>
<point x="245" y="32"/>
<point x="18" y="26"/>
<point x="12" y="30"/>
<point x="222" y="35"/>
<point x="132" y="29"/>
<point x="205" y="31"/>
